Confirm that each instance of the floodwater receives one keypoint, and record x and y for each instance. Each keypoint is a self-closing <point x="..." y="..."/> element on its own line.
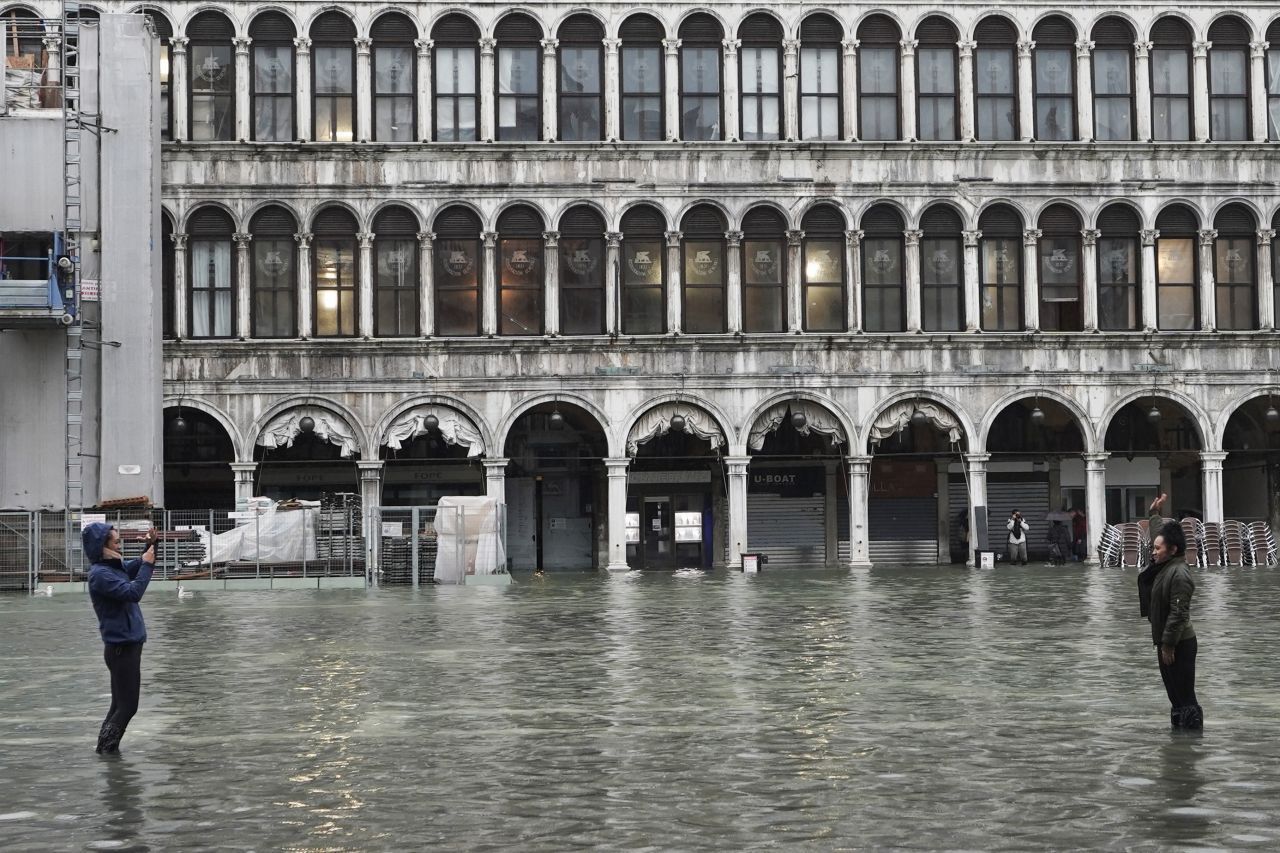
<point x="1013" y="709"/>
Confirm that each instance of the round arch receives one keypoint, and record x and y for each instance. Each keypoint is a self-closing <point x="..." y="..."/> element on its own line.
<point x="951" y="405"/>
<point x="502" y="433"/>
<point x="1017" y="26"/>
<point x="406" y="408"/>
<point x="564" y="208"/>
<point x="1198" y="417"/>
<point x="403" y="205"/>
<point x="508" y="11"/>
<point x="637" y="421"/>
<point x="361" y="441"/>
<point x="690" y="205"/>
<point x="1065" y="202"/>
<point x="897" y="206"/>
<point x="1234" y="407"/>
<point x="935" y="13"/>
<point x="835" y="203"/>
<point x="652" y="205"/>
<point x="361" y="223"/>
<point x="1013" y="204"/>
<point x="1083" y="422"/>
<point x="757" y="425"/>
<point x="237" y="223"/>
<point x="223" y="419"/>
<point x="786" y="215"/>
<point x="809" y="12"/>
<point x="1127" y="203"/>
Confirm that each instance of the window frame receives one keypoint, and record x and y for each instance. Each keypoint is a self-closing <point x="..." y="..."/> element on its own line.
<point x="455" y="99"/>
<point x="380" y="98"/>
<point x="953" y="96"/>
<point x="349" y="242"/>
<point x="1187" y="99"/>
<point x="563" y="100"/>
<point x="1000" y="288"/>
<point x="254" y="95"/>
<point x="721" y="243"/>
<point x="1073" y="131"/>
<point x="685" y="95"/>
<point x="864" y="96"/>
<point x="499" y="99"/>
<point x="1229" y="289"/>
<point x="440" y="287"/>
<point x="937" y="288"/>
<point x="229" y="98"/>
<point x="256" y="288"/>
<point x="1243" y="100"/>
<point x="1131" y="98"/>
<point x="806" y="285"/>
<point x="821" y="97"/>
<point x="1272" y="82"/>
<point x="569" y="291"/>
<point x="212" y="308"/>
<point x="778" y="289"/>
<point x="1193" y="285"/>
<point x="380" y="241"/>
<point x="1133" y="287"/>
<point x="1011" y="52"/>
<point x="1076" y="240"/>
<point x="659" y="95"/>
<point x="760" y="99"/>
<point x="334" y="100"/>
<point x="900" y="241"/>
<point x="627" y="288"/>
<point x="537" y="288"/>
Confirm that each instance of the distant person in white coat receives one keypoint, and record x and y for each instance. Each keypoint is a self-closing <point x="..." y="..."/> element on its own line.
<point x="1018" y="529"/>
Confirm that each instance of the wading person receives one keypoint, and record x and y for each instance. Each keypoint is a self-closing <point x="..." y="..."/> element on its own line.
<point x="1164" y="594"/>
<point x="1018" y="529"/>
<point x="115" y="588"/>
<point x="1059" y="543"/>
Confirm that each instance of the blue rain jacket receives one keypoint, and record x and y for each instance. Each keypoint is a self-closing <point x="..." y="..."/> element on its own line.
<point x="115" y="588"/>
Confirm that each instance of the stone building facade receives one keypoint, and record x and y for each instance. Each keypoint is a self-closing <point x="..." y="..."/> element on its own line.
<point x="679" y="283"/>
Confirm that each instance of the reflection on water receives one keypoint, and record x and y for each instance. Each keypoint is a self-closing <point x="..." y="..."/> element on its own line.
<point x="929" y="708"/>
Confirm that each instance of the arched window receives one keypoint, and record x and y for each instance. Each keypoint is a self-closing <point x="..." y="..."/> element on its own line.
<point x="168" y="324"/>
<point x="937" y="79"/>
<point x="1119" y="271"/>
<point x="824" y="274"/>
<point x="23" y="35"/>
<point x="395" y="278"/>
<point x="820" y="70"/>
<point x="941" y="270"/>
<point x="581" y="79"/>
<point x="642" y="78"/>
<point x="273" y="86"/>
<point x="518" y="79"/>
<point x="760" y="61"/>
<point x="883" y="271"/>
<point x="521" y="277"/>
<point x="1171" y="80"/>
<point x="1055" y="79"/>
<point x="1061" y="277"/>
<point x="701" y="114"/>
<point x="582" y="272"/>
<point x="1275" y="271"/>
<point x="705" y="305"/>
<point x="1113" y="119"/>
<point x="1177" y="272"/>
<point x="334" y="267"/>
<point x="394" y="73"/>
<point x="644" y="280"/>
<point x="333" y="72"/>
<point x="212" y="274"/>
<point x="164" y="30"/>
<point x="458" y="266"/>
<point x="213" y="78"/>
<point x="273" y="280"/>
<point x="1235" y="268"/>
<point x="764" y="271"/>
<point x="1273" y="82"/>
<point x="878" y="68"/>
<point x="995" y="79"/>
<point x="1229" y="80"/>
<point x="457" y="70"/>
<point x="1001" y="262"/>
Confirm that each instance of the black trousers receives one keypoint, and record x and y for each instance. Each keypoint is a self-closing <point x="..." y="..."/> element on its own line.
<point x="1180" y="683"/>
<point x="124" y="661"/>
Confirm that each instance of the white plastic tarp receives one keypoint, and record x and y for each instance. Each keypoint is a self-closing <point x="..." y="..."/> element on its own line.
<point x="470" y="539"/>
<point x="274" y="536"/>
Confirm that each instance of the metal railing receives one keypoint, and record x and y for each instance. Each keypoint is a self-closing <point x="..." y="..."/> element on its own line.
<point x="32" y="65"/>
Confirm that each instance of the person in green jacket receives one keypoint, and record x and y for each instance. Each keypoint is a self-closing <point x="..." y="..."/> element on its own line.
<point x="1164" y="594"/>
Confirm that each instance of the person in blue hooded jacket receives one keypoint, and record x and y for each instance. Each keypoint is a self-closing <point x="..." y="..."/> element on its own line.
<point x="115" y="588"/>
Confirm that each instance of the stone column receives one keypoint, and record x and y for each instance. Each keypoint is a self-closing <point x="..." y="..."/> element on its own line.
<point x="674" y="273"/>
<point x="181" y="313"/>
<point x="1150" y="315"/>
<point x="1084" y="88"/>
<point x="908" y="111"/>
<point x="244" y="270"/>
<point x="487" y="105"/>
<point x="1026" y="104"/>
<point x="671" y="83"/>
<point x="244" y="111"/>
<point x="968" y="103"/>
<point x="612" y="91"/>
<point x="550" y="115"/>
<point x="733" y="280"/>
<point x="849" y="94"/>
<point x="911" y="293"/>
<point x="179" y="87"/>
<point x="612" y="281"/>
<point x="1211" y="469"/>
<point x="859" y="524"/>
<point x="495" y="478"/>
<point x="617" y="469"/>
<point x="1031" y="279"/>
<point x="551" y="282"/>
<point x="364" y="91"/>
<point x="370" y="486"/>
<point x="365" y="298"/>
<point x="1095" y="500"/>
<point x="795" y="282"/>
<point x="425" y="73"/>
<point x="305" y="285"/>
<point x="942" y="466"/>
<point x="489" y="285"/>
<point x="1266" y="281"/>
<point x="1208" y="279"/>
<point x="1258" y="89"/>
<point x="302" y="87"/>
<point x="53" y="65"/>
<point x="1142" y="89"/>
<point x="972" y="282"/>
<point x="731" y="86"/>
<point x="427" y="283"/>
<point x="1089" y="266"/>
<point x="738" y="542"/>
<point x="1200" y="89"/>
<point x="831" y="513"/>
<point x="791" y="89"/>
<point x="977" y="485"/>
<point x="853" y="274"/>
<point x="243" y="472"/>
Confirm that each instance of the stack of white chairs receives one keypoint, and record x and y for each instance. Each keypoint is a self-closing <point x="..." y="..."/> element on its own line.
<point x="1109" y="547"/>
<point x="1262" y="544"/>
<point x="1212" y="538"/>
<point x="1235" y="543"/>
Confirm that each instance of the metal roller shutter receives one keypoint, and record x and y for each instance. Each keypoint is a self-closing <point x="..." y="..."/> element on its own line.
<point x="903" y="530"/>
<point x="790" y="530"/>
<point x="1030" y="497"/>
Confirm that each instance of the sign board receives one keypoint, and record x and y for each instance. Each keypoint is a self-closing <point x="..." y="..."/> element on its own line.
<point x="750" y="563"/>
<point x="559" y="524"/>
<point x="87" y="518"/>
<point x="89" y="289"/>
<point x="393" y="528"/>
<point x="986" y="560"/>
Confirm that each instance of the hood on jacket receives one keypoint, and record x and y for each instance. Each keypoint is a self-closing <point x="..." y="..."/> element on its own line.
<point x="94" y="536"/>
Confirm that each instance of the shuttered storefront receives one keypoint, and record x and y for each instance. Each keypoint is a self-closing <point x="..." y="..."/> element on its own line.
<point x="1027" y="493"/>
<point x="902" y="515"/>
<point x="786" y="514"/>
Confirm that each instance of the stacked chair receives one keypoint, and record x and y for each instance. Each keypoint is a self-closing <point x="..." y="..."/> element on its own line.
<point x="1212" y="538"/>
<point x="1194" y="533"/>
<point x="1109" y="547"/>
<point x="1235" y="544"/>
<point x="1134" y="545"/>
<point x="1262" y="544"/>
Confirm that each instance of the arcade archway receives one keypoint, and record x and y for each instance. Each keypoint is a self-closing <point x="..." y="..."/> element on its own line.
<point x="1251" y="470"/>
<point x="1154" y="447"/>
<point x="431" y="451"/>
<point x="198" y="454"/>
<point x="308" y="453"/>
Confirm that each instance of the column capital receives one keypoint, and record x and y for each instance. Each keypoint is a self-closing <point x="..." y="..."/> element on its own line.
<point x="731" y="46"/>
<point x="858" y="464"/>
<point x="363" y="45"/>
<point x="913" y="236"/>
<point x="1142" y="49"/>
<point x="1095" y="461"/>
<point x="966" y="48"/>
<point x="611" y="45"/>
<point x="971" y="238"/>
<point x="1265" y="236"/>
<point x="612" y="239"/>
<point x="487" y="45"/>
<point x="674" y="238"/>
<point x="366" y="239"/>
<point x="1212" y="459"/>
<point x="1201" y="48"/>
<point x="179" y="241"/>
<point x="1259" y="49"/>
<point x="1207" y="236"/>
<point x="242" y="468"/>
<point x="304" y="239"/>
<point x="736" y="464"/>
<point x="733" y="238"/>
<point x="974" y="459"/>
<point x="1084" y="48"/>
<point x="302" y="44"/>
<point x="495" y="464"/>
<point x="853" y="238"/>
<point x="550" y="239"/>
<point x="1091" y="236"/>
<point x="425" y="239"/>
<point x="909" y="47"/>
<point x="242" y="239"/>
<point x="617" y="465"/>
<point x="370" y="469"/>
<point x="490" y="239"/>
<point x="790" y="47"/>
<point x="794" y="237"/>
<point x="1031" y="236"/>
<point x="671" y="46"/>
<point x="52" y="43"/>
<point x="178" y="44"/>
<point x="549" y="47"/>
<point x="850" y="47"/>
<point x="1025" y="48"/>
<point x="242" y="45"/>
<point x="1149" y="236"/>
<point x="424" y="46"/>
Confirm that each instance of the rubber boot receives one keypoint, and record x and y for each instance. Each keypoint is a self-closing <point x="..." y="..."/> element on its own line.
<point x="1175" y="718"/>
<point x="110" y="740"/>
<point x="1193" y="718"/>
<point x="102" y="736"/>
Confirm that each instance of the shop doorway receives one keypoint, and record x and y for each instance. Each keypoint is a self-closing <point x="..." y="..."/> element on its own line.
<point x="669" y="530"/>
